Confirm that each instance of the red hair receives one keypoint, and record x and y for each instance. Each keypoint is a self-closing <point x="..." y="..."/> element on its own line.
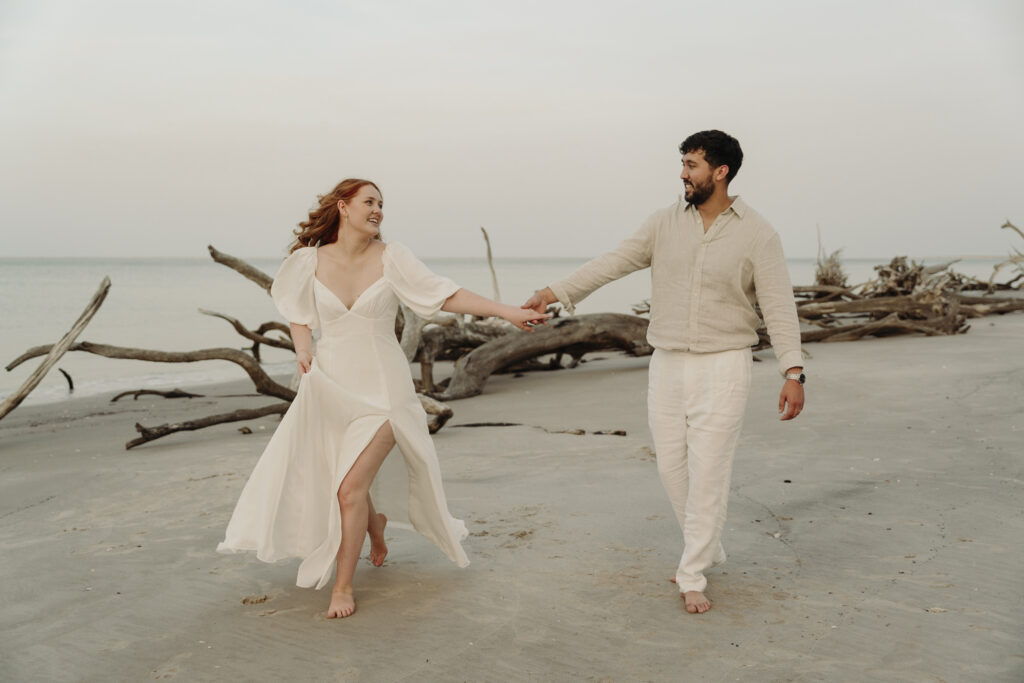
<point x="325" y="220"/>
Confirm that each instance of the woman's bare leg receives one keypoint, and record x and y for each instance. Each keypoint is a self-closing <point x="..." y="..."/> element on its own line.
<point x="375" y="523"/>
<point x="352" y="496"/>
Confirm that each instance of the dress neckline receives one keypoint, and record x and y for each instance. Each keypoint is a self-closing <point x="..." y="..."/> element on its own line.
<point x="355" y="302"/>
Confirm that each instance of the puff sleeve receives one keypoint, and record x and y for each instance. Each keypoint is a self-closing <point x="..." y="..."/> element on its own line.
<point x="415" y="284"/>
<point x="292" y="289"/>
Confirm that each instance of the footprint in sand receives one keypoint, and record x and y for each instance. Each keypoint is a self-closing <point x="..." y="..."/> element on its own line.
<point x="518" y="538"/>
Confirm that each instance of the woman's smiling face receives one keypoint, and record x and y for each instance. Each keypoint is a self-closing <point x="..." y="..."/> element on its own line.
<point x="365" y="211"/>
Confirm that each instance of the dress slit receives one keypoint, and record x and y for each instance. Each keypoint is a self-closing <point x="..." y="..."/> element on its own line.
<point x="316" y="568"/>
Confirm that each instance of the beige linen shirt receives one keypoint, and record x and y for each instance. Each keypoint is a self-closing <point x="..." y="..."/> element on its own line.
<point x="703" y="285"/>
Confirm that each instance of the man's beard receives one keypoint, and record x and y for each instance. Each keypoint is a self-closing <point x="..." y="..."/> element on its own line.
<point x="700" y="193"/>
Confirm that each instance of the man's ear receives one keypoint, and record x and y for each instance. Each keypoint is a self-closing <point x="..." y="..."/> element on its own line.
<point x="721" y="173"/>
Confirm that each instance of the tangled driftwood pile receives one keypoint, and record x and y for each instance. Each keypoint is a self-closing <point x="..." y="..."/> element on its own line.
<point x="904" y="297"/>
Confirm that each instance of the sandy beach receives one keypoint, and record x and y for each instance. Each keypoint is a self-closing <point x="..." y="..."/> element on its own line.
<point x="877" y="537"/>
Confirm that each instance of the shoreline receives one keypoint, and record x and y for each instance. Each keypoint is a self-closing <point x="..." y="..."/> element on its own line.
<point x="883" y="520"/>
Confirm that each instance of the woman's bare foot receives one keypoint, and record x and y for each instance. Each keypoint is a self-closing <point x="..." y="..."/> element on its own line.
<point x="343" y="603"/>
<point x="696" y="603"/>
<point x="378" y="547"/>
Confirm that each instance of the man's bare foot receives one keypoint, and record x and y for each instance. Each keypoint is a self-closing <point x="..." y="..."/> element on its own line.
<point x="696" y="603"/>
<point x="343" y="603"/>
<point x="378" y="547"/>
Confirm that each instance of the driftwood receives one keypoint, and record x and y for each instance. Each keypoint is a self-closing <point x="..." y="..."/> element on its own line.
<point x="822" y="293"/>
<point x="263" y="382"/>
<point x="889" y="325"/>
<point x="490" y="264"/>
<point x="251" y="272"/>
<point x="54" y="352"/>
<point x="978" y="307"/>
<point x="575" y="336"/>
<point x="451" y="341"/>
<point x="173" y="393"/>
<point x="147" y="434"/>
<point x="258" y="336"/>
<point x="67" y="377"/>
<point x="915" y="306"/>
<point x="1016" y="260"/>
<point x="904" y="298"/>
<point x="409" y="329"/>
<point x="437" y="413"/>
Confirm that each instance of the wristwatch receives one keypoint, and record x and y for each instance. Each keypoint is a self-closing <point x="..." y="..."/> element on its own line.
<point x="797" y="376"/>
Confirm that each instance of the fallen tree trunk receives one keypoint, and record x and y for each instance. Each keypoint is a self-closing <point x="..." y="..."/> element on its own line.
<point x="437" y="415"/>
<point x="262" y="381"/>
<point x="55" y="351"/>
<point x="449" y="342"/>
<point x="915" y="305"/>
<point x="889" y="325"/>
<point x="978" y="307"/>
<point x="148" y="434"/>
<point x="577" y="335"/>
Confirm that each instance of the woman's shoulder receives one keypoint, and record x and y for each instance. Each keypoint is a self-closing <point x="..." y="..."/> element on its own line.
<point x="396" y="252"/>
<point x="302" y="258"/>
<point x="298" y="265"/>
<point x="302" y="253"/>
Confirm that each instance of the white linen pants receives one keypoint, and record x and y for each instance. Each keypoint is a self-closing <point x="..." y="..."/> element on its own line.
<point x="695" y="404"/>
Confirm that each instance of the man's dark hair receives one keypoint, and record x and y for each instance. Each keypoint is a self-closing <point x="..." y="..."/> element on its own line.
<point x="720" y="149"/>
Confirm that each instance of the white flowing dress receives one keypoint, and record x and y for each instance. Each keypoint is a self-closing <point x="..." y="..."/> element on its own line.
<point x="360" y="379"/>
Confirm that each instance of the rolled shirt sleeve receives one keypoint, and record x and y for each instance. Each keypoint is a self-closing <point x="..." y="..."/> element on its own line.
<point x="631" y="255"/>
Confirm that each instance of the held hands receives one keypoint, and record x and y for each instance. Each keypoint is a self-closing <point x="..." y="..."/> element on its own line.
<point x="304" y="361"/>
<point x="540" y="300"/>
<point x="465" y="301"/>
<point x="524" y="318"/>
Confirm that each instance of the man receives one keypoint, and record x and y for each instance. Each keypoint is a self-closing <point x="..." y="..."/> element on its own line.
<point x="712" y="258"/>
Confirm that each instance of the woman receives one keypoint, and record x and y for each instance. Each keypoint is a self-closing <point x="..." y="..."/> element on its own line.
<point x="309" y="494"/>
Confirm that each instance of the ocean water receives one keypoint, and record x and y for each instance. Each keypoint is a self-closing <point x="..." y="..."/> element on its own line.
<point x="153" y="304"/>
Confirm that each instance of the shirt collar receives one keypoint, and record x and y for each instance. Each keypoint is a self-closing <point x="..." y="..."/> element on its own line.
<point x="739" y="207"/>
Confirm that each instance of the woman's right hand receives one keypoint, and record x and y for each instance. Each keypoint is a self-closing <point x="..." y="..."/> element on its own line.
<point x="304" y="361"/>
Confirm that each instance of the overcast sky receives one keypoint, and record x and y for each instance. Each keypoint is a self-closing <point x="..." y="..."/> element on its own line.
<point x="154" y="128"/>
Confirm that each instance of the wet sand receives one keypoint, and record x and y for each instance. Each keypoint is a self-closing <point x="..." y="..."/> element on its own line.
<point x="877" y="537"/>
